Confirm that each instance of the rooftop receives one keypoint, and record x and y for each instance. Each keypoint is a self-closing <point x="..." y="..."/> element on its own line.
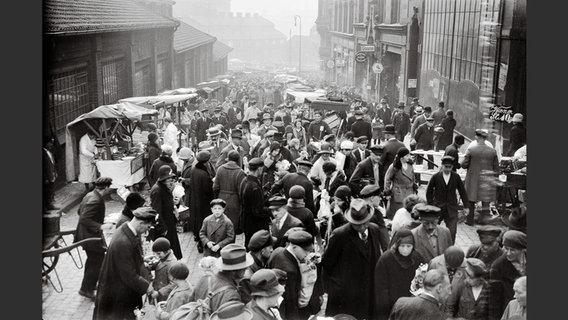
<point x="187" y="37"/>
<point x="220" y="50"/>
<point x="96" y="16"/>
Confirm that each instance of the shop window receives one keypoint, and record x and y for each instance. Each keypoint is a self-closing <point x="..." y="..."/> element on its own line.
<point x="142" y="85"/>
<point x="114" y="77"/>
<point x="68" y="98"/>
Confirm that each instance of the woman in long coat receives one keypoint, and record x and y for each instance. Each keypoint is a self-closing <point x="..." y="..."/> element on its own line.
<point x="201" y="194"/>
<point x="226" y="186"/>
<point x="394" y="272"/>
<point x="399" y="181"/>
<point x="162" y="200"/>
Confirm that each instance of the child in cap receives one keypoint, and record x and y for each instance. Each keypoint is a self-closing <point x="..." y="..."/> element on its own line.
<point x="217" y="230"/>
<point x="161" y="284"/>
<point x="181" y="294"/>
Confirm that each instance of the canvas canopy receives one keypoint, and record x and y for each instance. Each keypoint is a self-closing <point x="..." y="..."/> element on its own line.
<point x="108" y="117"/>
<point x="160" y="99"/>
<point x="299" y="96"/>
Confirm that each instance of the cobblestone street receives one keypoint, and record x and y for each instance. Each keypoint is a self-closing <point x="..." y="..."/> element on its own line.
<point x="69" y="305"/>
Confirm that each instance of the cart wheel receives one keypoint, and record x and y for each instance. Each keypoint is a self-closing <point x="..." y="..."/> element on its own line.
<point x="48" y="264"/>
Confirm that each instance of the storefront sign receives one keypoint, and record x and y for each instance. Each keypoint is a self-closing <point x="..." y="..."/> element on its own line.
<point x="500" y="113"/>
<point x="330" y="64"/>
<point x="367" y="48"/>
<point x="503" y="76"/>
<point x="411" y="83"/>
<point x="360" y="56"/>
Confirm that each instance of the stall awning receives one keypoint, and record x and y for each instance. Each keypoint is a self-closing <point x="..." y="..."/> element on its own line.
<point x="178" y="91"/>
<point x="325" y="104"/>
<point x="164" y="99"/>
<point x="299" y="96"/>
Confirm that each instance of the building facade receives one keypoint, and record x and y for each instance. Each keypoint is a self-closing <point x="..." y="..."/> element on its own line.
<point x="193" y="56"/>
<point x="99" y="61"/>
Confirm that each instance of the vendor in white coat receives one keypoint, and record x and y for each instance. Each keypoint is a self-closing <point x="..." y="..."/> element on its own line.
<point x="87" y="169"/>
<point x="171" y="136"/>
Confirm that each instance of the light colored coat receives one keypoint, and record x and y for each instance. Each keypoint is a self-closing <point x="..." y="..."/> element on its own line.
<point x="221" y="232"/>
<point x="401" y="183"/>
<point x="87" y="170"/>
<point x="482" y="167"/>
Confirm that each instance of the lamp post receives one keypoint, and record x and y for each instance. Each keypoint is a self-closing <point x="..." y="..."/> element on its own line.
<point x="300" y="44"/>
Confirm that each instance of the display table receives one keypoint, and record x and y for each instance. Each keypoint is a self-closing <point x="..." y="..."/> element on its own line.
<point x="435" y="156"/>
<point x="423" y="175"/>
<point x="120" y="171"/>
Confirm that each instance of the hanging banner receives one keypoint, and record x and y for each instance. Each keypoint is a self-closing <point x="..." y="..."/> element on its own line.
<point x="500" y="113"/>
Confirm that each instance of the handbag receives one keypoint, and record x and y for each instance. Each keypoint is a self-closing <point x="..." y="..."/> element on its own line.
<point x="147" y="312"/>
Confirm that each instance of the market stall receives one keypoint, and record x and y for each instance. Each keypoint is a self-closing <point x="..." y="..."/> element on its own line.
<point x="116" y="156"/>
<point x="432" y="161"/>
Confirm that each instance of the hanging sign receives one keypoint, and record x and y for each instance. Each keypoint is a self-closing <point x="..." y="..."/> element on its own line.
<point x="500" y="113"/>
<point x="360" y="56"/>
<point x="377" y="67"/>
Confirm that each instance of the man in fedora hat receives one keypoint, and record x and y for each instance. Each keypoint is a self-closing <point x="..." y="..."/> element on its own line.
<point x="233" y="115"/>
<point x="361" y="127"/>
<point x="384" y="112"/>
<point x="482" y="167"/>
<point x="349" y="261"/>
<point x="200" y="125"/>
<point x="232" y="265"/>
<point x="220" y="118"/>
<point x="91" y="218"/>
<point x="289" y="259"/>
<point x="282" y="221"/>
<point x="401" y="122"/>
<point x="441" y="192"/>
<point x="414" y="108"/>
<point x="368" y="171"/>
<point x="424" y="135"/>
<point x="219" y="143"/>
<point x="431" y="238"/>
<point x="234" y="144"/>
<point x="266" y="124"/>
<point x="163" y="202"/>
<point x="489" y="247"/>
<point x="123" y="279"/>
<point x="392" y="145"/>
<point x="301" y="178"/>
<point x="419" y="120"/>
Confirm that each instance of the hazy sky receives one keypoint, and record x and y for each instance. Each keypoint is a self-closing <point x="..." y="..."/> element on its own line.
<point x="281" y="13"/>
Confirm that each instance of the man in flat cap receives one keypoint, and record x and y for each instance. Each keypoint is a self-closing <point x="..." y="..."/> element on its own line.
<point x="90" y="224"/>
<point x="361" y="152"/>
<point x="431" y="238"/>
<point x="482" y="167"/>
<point x="489" y="248"/>
<point x="123" y="278"/>
<point x="282" y="220"/>
<point x="300" y="177"/>
<point x="349" y="261"/>
<point x="289" y="259"/>
<point x="441" y="192"/>
<point x="506" y="269"/>
<point x="260" y="248"/>
<point x="368" y="171"/>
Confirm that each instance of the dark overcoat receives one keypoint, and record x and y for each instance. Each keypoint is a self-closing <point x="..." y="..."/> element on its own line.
<point x="349" y="267"/>
<point x="361" y="128"/>
<point x="444" y="196"/>
<point x="424" y="137"/>
<point x="255" y="215"/>
<point x="482" y="168"/>
<point x="364" y="170"/>
<point x="155" y="168"/>
<point x="392" y="281"/>
<point x="422" y="307"/>
<point x="293" y="179"/>
<point x="91" y="217"/>
<point x="226" y="186"/>
<point x="306" y="217"/>
<point x="449" y="124"/>
<point x="162" y="201"/>
<point x="289" y="222"/>
<point x="201" y="194"/>
<point x="121" y="281"/>
<point x="390" y="150"/>
<point x="502" y="276"/>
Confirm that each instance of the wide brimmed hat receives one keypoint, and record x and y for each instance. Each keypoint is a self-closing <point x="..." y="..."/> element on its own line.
<point x="213" y="131"/>
<point x="419" y="110"/>
<point x="165" y="172"/>
<point x="264" y="283"/>
<point x="205" y="145"/>
<point x="482" y="133"/>
<point x="277" y="202"/>
<point x="389" y="129"/>
<point x="234" y="257"/>
<point x="232" y="310"/>
<point x="517" y="117"/>
<point x="358" y="212"/>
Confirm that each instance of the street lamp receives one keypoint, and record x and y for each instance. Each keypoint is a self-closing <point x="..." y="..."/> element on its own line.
<point x="300" y="45"/>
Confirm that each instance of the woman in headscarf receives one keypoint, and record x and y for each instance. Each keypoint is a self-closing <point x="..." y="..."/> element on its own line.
<point x="399" y="181"/>
<point x="394" y="272"/>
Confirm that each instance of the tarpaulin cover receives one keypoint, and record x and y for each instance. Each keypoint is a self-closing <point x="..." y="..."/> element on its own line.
<point x="165" y="99"/>
<point x="325" y="104"/>
<point x="122" y="110"/>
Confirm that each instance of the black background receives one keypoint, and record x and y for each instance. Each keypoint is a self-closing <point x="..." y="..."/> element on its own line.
<point x="22" y="138"/>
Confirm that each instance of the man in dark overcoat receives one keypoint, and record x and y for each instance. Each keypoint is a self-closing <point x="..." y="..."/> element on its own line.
<point x="391" y="146"/>
<point x="426" y="305"/>
<point x="124" y="279"/>
<point x="162" y="201"/>
<point x="361" y="127"/>
<point x="201" y="194"/>
<point x="226" y="186"/>
<point x="301" y="243"/>
<point x="401" y="122"/>
<point x="349" y="264"/>
<point x="384" y="112"/>
<point x="91" y="218"/>
<point x="297" y="178"/>
<point x="453" y="150"/>
<point x="368" y="171"/>
<point x="441" y="192"/>
<point x="255" y="216"/>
